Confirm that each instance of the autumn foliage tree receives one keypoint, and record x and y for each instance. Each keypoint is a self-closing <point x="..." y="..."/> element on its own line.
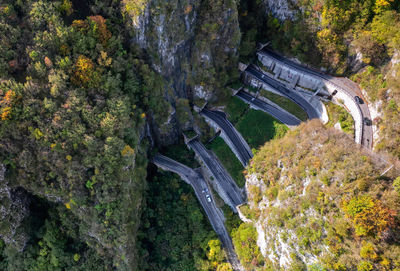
<point x="95" y="26"/>
<point x="369" y="216"/>
<point x="6" y="103"/>
<point x="99" y="28"/>
<point x="84" y="72"/>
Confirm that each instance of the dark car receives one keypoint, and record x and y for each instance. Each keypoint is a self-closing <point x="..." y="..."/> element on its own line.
<point x="359" y="100"/>
<point x="367" y="121"/>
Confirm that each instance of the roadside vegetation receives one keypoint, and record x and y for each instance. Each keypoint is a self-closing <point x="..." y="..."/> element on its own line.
<point x="181" y="153"/>
<point x="383" y="87"/>
<point x="337" y="114"/>
<point x="228" y="160"/>
<point x="235" y="109"/>
<point x="286" y="104"/>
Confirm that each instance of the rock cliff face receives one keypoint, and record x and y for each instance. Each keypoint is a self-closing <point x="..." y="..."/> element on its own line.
<point x="193" y="45"/>
<point x="14" y="209"/>
<point x="281" y="9"/>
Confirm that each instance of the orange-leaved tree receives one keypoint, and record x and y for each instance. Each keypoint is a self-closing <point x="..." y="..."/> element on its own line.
<point x="84" y="72"/>
<point x="99" y="28"/>
<point x="6" y="103"/>
<point x="369" y="216"/>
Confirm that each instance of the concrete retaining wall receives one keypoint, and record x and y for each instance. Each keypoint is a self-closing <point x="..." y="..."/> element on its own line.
<point x="287" y="74"/>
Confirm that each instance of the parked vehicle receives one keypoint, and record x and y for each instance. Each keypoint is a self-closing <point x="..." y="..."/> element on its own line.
<point x="367" y="121"/>
<point x="359" y="100"/>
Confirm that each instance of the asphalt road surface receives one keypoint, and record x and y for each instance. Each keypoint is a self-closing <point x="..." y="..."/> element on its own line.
<point x="220" y="174"/>
<point x="312" y="113"/>
<point x="201" y="189"/>
<point x="236" y="140"/>
<point x="283" y="116"/>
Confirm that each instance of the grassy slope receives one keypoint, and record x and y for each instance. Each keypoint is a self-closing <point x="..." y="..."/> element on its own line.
<point x="286" y="104"/>
<point x="235" y="109"/>
<point x="228" y="160"/>
<point x="258" y="127"/>
<point x="337" y="114"/>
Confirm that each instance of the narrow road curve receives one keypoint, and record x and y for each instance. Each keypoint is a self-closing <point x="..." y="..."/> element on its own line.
<point x="366" y="130"/>
<point x="312" y="113"/>
<point x="201" y="189"/>
<point x="278" y="113"/>
<point x="241" y="148"/>
<point x="232" y="192"/>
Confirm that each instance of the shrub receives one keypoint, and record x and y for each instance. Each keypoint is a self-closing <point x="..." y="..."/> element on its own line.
<point x="245" y="241"/>
<point x="364" y="266"/>
<point x="369" y="215"/>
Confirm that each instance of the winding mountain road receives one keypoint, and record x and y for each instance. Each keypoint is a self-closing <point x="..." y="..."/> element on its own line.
<point x="366" y="131"/>
<point x="201" y="189"/>
<point x="278" y="113"/>
<point x="236" y="141"/>
<point x="312" y="113"/>
<point x="230" y="190"/>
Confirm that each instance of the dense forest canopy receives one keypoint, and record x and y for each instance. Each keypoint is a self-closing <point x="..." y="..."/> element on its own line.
<point x="74" y="100"/>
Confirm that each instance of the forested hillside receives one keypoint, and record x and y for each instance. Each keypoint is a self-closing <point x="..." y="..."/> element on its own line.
<point x="319" y="202"/>
<point x="85" y="90"/>
<point x="74" y="100"/>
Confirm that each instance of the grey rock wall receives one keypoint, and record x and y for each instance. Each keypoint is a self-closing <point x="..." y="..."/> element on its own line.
<point x="281" y="9"/>
<point x="14" y="209"/>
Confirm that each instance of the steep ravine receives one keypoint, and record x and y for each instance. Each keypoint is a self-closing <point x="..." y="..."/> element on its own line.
<point x="193" y="45"/>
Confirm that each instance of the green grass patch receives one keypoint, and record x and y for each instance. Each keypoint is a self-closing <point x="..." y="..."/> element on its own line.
<point x="258" y="127"/>
<point x="337" y="114"/>
<point x="228" y="160"/>
<point x="286" y="104"/>
<point x="235" y="109"/>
